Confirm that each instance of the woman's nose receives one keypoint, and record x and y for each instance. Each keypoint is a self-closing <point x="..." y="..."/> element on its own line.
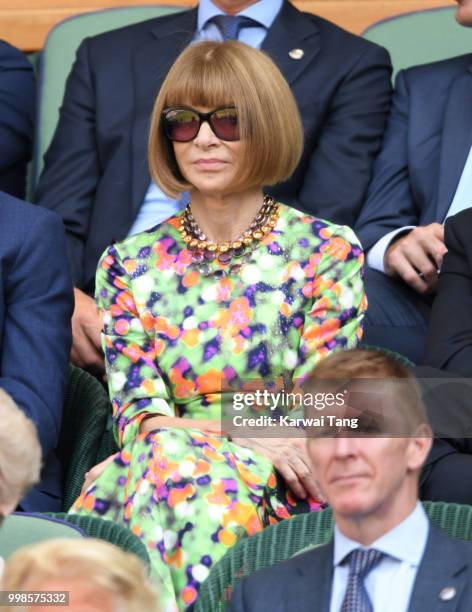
<point x="206" y="137"/>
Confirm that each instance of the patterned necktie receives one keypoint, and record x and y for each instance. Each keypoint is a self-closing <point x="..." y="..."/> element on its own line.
<point x="361" y="562"/>
<point x="229" y="25"/>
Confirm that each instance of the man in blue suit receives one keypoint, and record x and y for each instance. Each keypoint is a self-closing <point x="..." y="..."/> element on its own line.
<point x="96" y="176"/>
<point x="36" y="303"/>
<point x="385" y="555"/>
<point x="422" y="176"/>
<point x="17" y="102"/>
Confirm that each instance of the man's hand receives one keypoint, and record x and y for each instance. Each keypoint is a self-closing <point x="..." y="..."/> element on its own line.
<point x="289" y="457"/>
<point x="86" y="327"/>
<point x="417" y="257"/>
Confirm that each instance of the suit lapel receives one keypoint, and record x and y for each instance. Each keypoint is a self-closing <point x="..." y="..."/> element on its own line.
<point x="442" y="567"/>
<point x="291" y="30"/>
<point x="151" y="63"/>
<point x="310" y="588"/>
<point x="456" y="140"/>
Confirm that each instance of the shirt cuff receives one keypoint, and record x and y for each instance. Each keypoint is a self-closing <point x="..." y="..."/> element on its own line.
<point x="376" y="254"/>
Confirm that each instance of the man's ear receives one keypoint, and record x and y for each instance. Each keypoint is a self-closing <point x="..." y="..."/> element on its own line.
<point x="419" y="446"/>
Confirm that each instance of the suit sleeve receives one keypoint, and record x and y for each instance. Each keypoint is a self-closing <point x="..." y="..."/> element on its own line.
<point x="449" y="338"/>
<point x="340" y="167"/>
<point x="17" y="103"/>
<point x="36" y="333"/>
<point x="389" y="204"/>
<point x="72" y="170"/>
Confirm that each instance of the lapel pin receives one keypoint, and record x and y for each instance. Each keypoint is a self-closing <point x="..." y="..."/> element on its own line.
<point x="447" y="593"/>
<point x="296" y="53"/>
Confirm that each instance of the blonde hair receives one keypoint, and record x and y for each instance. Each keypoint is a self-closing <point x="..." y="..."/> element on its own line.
<point x="20" y="452"/>
<point x="216" y="74"/>
<point x="100" y="564"/>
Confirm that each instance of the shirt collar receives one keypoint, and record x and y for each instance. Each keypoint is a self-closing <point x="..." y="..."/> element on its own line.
<point x="264" y="11"/>
<point x="406" y="542"/>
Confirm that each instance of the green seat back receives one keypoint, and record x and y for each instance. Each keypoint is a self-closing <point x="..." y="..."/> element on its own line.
<point x="287" y="538"/>
<point x="421" y="37"/>
<point x="95" y="527"/>
<point x="393" y="354"/>
<point x="59" y="54"/>
<point x="21" y="529"/>
<point x="84" y="422"/>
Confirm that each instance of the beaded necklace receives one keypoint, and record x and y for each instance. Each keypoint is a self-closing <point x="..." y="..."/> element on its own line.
<point x="204" y="250"/>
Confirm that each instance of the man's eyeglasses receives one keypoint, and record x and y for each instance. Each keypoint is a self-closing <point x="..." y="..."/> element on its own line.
<point x="183" y="124"/>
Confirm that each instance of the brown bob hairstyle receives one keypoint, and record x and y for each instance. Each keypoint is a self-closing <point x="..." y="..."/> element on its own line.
<point x="215" y="74"/>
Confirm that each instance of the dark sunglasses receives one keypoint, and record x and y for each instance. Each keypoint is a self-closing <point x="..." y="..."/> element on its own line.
<point x="183" y="124"/>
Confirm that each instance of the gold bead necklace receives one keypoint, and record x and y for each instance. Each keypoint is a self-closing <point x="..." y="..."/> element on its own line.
<point x="205" y="250"/>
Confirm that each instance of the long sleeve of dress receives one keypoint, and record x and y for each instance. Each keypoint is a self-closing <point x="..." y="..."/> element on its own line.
<point x="136" y="385"/>
<point x="334" y="282"/>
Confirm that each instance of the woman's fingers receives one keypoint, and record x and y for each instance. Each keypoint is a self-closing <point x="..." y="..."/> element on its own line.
<point x="291" y="479"/>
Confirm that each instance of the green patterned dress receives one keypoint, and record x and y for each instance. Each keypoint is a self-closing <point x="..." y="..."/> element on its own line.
<point x="172" y="335"/>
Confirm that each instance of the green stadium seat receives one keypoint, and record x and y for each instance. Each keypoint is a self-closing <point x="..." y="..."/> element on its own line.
<point x="21" y="529"/>
<point x="421" y="37"/>
<point x="85" y="419"/>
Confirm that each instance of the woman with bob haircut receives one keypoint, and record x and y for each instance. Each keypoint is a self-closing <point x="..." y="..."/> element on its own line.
<point x="98" y="576"/>
<point x="235" y="287"/>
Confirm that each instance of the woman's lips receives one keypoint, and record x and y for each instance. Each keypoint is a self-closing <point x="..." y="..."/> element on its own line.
<point x="209" y="163"/>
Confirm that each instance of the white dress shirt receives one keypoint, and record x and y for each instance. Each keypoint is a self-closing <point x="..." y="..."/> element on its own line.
<point x="462" y="200"/>
<point x="157" y="206"/>
<point x="390" y="584"/>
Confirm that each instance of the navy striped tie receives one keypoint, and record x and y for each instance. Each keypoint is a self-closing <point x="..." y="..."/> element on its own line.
<point x="361" y="562"/>
<point x="230" y="25"/>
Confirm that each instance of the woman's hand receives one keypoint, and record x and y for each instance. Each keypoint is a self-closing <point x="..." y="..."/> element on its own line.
<point x="289" y="457"/>
<point x="97" y="470"/>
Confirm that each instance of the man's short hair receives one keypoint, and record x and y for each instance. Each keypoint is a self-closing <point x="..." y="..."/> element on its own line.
<point x="20" y="452"/>
<point x="216" y="74"/>
<point x="369" y="366"/>
<point x="98" y="564"/>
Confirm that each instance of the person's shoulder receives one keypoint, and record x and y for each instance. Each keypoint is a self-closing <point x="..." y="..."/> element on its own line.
<point x="440" y="543"/>
<point x="11" y="56"/>
<point x="132" y="34"/>
<point x="138" y="246"/>
<point x="14" y="211"/>
<point x="440" y="71"/>
<point x="297" y="564"/>
<point x="297" y="223"/>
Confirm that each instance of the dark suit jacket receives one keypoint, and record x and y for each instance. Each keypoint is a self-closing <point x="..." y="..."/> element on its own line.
<point x="36" y="304"/>
<point x="96" y="173"/>
<point x="17" y="102"/>
<point x="426" y="143"/>
<point x="303" y="583"/>
<point x="449" y="339"/>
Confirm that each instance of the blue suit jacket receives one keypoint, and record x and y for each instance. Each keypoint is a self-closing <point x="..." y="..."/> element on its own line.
<point x="36" y="303"/>
<point x="96" y="173"/>
<point x="426" y="143"/>
<point x="303" y="583"/>
<point x="17" y="102"/>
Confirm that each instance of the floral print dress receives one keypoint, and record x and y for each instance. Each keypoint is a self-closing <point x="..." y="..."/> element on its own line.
<point x="171" y="336"/>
